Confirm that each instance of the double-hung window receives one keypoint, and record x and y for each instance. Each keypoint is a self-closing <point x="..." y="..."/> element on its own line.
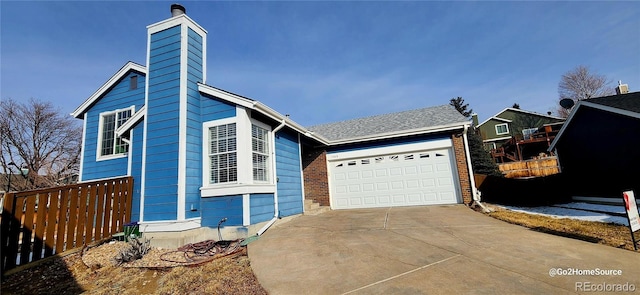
<point x="223" y="156"/>
<point x="110" y="144"/>
<point x="260" y="153"/>
<point x="238" y="156"/>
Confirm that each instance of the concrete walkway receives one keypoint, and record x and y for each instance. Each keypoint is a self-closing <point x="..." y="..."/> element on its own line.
<point x="428" y="250"/>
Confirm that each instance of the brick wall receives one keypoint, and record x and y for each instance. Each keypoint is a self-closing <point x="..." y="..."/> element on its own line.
<point x="463" y="172"/>
<point x="316" y="182"/>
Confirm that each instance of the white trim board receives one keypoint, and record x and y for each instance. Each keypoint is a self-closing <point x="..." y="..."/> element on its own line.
<point x="583" y="104"/>
<point x="400" y="148"/>
<point x="130" y="66"/>
<point x="169" y="225"/>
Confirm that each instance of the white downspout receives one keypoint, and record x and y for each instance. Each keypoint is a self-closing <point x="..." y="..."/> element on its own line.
<point x="474" y="190"/>
<point x="276" y="214"/>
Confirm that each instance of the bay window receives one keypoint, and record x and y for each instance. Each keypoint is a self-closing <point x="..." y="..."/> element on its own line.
<point x="237" y="157"/>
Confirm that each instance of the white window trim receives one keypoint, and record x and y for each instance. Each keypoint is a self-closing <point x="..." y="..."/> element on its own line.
<point x="270" y="152"/>
<point x="501" y="133"/>
<point x="99" y="157"/>
<point x="245" y="183"/>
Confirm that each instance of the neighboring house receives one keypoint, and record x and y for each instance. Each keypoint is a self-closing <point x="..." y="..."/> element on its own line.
<point x="199" y="154"/>
<point x="513" y="126"/>
<point x="599" y="147"/>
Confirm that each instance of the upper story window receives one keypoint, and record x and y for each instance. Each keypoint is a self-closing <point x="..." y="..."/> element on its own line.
<point x="109" y="144"/>
<point x="223" y="157"/>
<point x="502" y="129"/>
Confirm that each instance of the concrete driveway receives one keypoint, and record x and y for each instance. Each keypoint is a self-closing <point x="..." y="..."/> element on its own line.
<point x="430" y="250"/>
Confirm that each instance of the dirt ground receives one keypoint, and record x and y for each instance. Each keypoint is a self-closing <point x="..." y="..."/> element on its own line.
<point x="97" y="272"/>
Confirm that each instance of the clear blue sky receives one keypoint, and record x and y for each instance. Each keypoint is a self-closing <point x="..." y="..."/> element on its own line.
<point x="329" y="61"/>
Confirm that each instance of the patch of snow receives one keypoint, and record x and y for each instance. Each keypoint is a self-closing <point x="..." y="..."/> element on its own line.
<point x="557" y="212"/>
<point x="586" y="206"/>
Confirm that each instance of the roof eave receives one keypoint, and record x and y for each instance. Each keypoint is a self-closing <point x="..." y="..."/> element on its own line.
<point x="129" y="66"/>
<point x="390" y="135"/>
<point x="260" y="107"/>
<point x="583" y="104"/>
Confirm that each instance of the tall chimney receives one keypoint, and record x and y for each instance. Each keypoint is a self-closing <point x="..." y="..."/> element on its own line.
<point x="622" y="88"/>
<point x="177" y="9"/>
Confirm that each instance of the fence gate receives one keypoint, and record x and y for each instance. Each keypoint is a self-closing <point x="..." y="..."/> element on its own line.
<point x="41" y="223"/>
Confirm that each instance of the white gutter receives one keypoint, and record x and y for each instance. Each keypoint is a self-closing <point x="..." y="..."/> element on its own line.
<point x="276" y="213"/>
<point x="474" y="190"/>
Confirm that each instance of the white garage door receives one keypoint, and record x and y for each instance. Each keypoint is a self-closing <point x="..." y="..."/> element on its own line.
<point x="395" y="179"/>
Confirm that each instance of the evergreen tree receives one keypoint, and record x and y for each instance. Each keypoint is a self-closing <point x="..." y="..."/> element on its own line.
<point x="481" y="161"/>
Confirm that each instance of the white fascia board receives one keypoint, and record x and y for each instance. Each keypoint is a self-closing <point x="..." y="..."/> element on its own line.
<point x="611" y="109"/>
<point x="583" y="104"/>
<point x="229" y="97"/>
<point x="402" y="148"/>
<point x="269" y="112"/>
<point x="493" y="118"/>
<point x="124" y="128"/>
<point x="497" y="139"/>
<point x="531" y="113"/>
<point x="130" y="66"/>
<point x="260" y="107"/>
<point x="174" y="21"/>
<point x="516" y="110"/>
<point x="389" y="135"/>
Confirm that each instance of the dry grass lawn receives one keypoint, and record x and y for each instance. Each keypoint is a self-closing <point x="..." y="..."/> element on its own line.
<point x="77" y="274"/>
<point x="609" y="234"/>
<point x="71" y="275"/>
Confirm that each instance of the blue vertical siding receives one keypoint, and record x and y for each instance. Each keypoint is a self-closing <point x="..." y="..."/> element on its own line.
<point x="216" y="208"/>
<point x="163" y="109"/>
<point x="261" y="207"/>
<point x="194" y="125"/>
<point x="118" y="97"/>
<point x="288" y="165"/>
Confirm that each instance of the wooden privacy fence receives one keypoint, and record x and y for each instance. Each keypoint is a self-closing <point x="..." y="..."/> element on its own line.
<point x="41" y="223"/>
<point x="530" y="168"/>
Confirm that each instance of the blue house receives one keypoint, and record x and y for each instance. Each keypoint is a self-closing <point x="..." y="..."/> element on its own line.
<point x="199" y="154"/>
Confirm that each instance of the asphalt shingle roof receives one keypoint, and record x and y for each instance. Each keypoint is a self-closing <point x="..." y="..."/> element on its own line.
<point x="430" y="117"/>
<point x="629" y="101"/>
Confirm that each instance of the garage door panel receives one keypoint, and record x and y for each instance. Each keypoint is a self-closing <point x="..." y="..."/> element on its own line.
<point x="426" y="168"/>
<point x="397" y="185"/>
<point x="413" y="183"/>
<point x="411" y="170"/>
<point x="367" y="174"/>
<point x="382" y="186"/>
<point x="428" y="183"/>
<point x="430" y="197"/>
<point x="395" y="171"/>
<point x="417" y="178"/>
<point x="398" y="199"/>
<point x="442" y="181"/>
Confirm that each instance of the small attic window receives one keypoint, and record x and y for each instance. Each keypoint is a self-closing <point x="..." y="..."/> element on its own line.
<point x="133" y="83"/>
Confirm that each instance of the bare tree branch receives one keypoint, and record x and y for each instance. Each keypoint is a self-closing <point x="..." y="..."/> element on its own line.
<point x="579" y="84"/>
<point x="39" y="137"/>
